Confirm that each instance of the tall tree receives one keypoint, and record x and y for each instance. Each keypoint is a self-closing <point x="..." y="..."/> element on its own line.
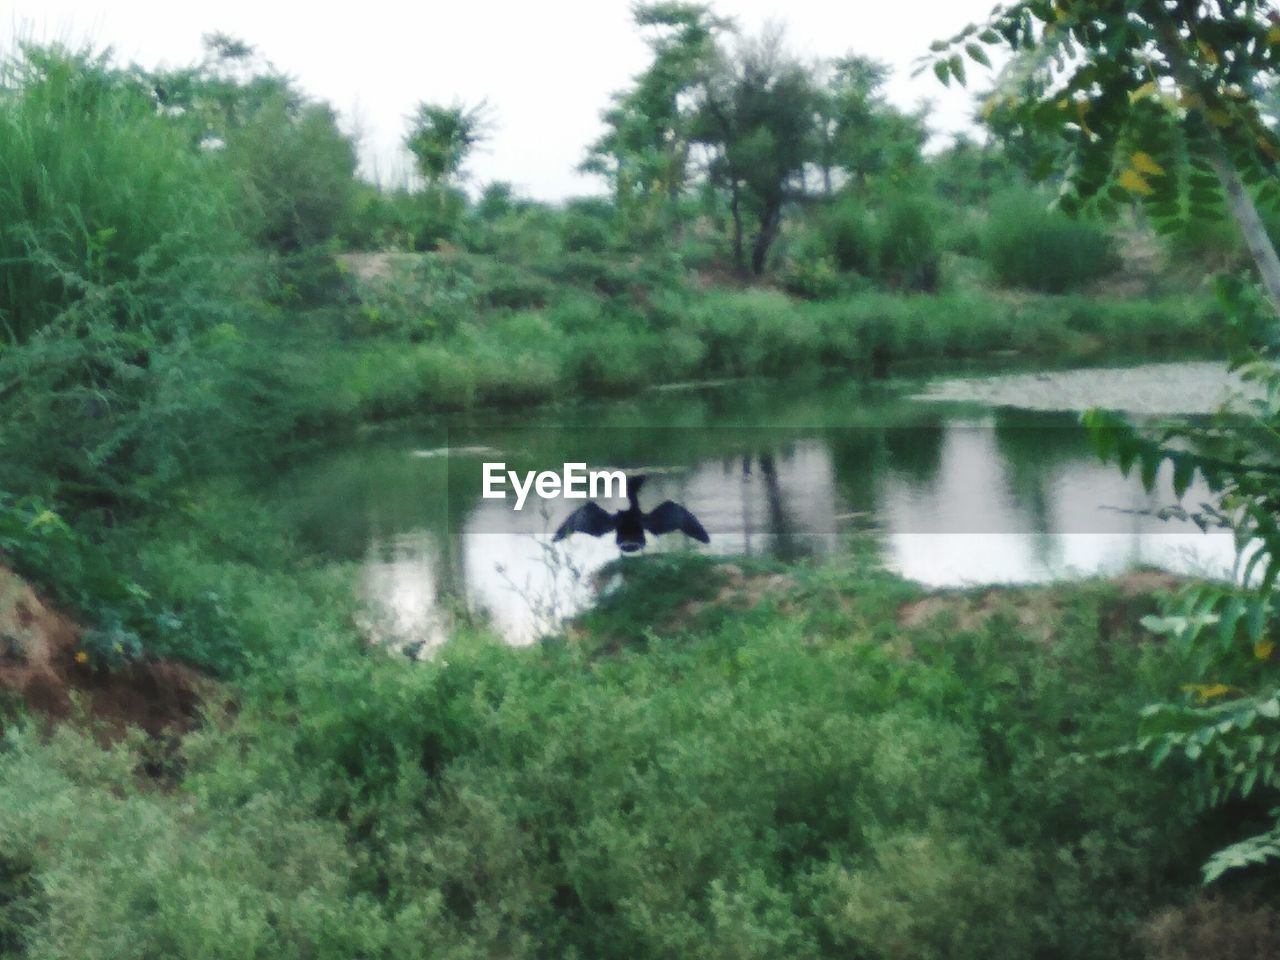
<point x="757" y="115"/>
<point x="858" y="131"/>
<point x="644" y="153"/>
<point x="295" y="166"/>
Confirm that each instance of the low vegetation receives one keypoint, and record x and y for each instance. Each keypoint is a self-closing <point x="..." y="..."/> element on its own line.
<point x="555" y="800"/>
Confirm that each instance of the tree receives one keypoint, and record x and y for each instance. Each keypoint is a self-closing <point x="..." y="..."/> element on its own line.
<point x="441" y="138"/>
<point x="1153" y="102"/>
<point x="858" y="131"/>
<point x="644" y="153"/>
<point x="756" y="115"/>
<point x="294" y="164"/>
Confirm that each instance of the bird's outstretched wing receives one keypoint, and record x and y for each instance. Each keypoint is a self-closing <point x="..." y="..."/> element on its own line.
<point x="669" y="516"/>
<point x="589" y="518"/>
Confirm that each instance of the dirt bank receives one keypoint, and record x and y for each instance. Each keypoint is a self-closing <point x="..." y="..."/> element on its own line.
<point x="42" y="666"/>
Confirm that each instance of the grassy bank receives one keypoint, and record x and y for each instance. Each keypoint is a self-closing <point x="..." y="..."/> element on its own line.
<point x="567" y="337"/>
<point x="821" y="762"/>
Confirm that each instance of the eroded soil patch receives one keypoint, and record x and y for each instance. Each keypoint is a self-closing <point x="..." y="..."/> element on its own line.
<point x="39" y="666"/>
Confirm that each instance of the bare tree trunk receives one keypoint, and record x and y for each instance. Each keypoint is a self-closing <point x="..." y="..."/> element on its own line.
<point x="1246" y="214"/>
<point x="1240" y="203"/>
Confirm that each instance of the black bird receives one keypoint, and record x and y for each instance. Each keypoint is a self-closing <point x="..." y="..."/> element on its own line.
<point x="632" y="522"/>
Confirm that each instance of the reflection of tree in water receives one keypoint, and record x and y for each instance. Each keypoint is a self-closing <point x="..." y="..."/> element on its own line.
<point x="916" y="449"/>
<point x="1035" y="450"/>
<point x="857" y="455"/>
<point x="780" y="525"/>
<point x="785" y="537"/>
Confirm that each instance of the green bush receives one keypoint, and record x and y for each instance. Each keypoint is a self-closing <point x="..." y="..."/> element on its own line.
<point x="1028" y="245"/>
<point x="755" y="331"/>
<point x="298" y="172"/>
<point x="852" y="236"/>
<point x="419" y="296"/>
<point x="909" y="250"/>
<point x="587" y="226"/>
<point x="96" y="189"/>
<point x="514" y="289"/>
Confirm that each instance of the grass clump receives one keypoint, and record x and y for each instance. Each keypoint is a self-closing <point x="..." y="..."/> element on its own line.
<point x="96" y="189"/>
<point x="1028" y="245"/>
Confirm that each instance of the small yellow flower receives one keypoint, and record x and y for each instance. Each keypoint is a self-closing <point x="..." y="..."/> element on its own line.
<point x="82" y="657"/>
<point x="1263" y="648"/>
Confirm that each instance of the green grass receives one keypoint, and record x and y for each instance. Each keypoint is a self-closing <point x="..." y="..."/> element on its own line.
<point x="587" y="339"/>
<point x="805" y="778"/>
<point x="95" y="188"/>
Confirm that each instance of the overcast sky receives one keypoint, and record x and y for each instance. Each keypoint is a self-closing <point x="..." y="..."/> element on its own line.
<point x="547" y="67"/>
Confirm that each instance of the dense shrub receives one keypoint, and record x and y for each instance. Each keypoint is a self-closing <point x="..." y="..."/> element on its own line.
<point x="587" y="225"/>
<point x="515" y="289"/>
<point x="96" y="189"/>
<point x="1028" y="245"/>
<point x="809" y="269"/>
<point x="851" y="233"/>
<point x="891" y="238"/>
<point x="417" y="296"/>
<point x="298" y="172"/>
<point x="908" y="243"/>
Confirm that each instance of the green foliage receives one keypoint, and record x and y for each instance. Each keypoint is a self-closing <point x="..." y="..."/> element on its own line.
<point x="441" y="138"/>
<point x="908" y="243"/>
<point x="1227" y="729"/>
<point x="811" y="274"/>
<point x="775" y="782"/>
<point x="1028" y="245"/>
<point x="587" y="227"/>
<point x="891" y="238"/>
<point x="1139" y="103"/>
<point x="96" y="189"/>
<point x="852" y="235"/>
<point x="300" y="174"/>
<point x="756" y="117"/>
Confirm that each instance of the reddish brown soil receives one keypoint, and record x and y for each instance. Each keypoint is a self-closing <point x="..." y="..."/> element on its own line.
<point x="39" y="665"/>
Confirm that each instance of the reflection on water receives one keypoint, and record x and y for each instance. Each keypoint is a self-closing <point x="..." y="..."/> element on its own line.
<point x="952" y="495"/>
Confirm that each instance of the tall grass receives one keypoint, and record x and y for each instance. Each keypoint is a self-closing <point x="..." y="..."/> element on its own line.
<point x="95" y="185"/>
<point x="132" y="308"/>
<point x="1027" y="245"/>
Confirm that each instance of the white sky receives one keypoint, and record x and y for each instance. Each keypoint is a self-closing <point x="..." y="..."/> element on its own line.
<point x="547" y="67"/>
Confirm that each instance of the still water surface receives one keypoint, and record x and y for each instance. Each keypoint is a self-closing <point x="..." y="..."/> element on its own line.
<point x="952" y="491"/>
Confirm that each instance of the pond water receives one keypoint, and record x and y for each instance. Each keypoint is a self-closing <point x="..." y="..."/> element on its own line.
<point x="954" y="487"/>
